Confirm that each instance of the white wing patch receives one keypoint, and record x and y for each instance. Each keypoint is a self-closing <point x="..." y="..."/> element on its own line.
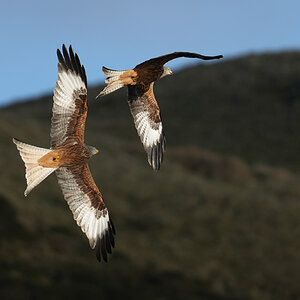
<point x="94" y="223"/>
<point x="68" y="85"/>
<point x="151" y="133"/>
<point x="149" y="136"/>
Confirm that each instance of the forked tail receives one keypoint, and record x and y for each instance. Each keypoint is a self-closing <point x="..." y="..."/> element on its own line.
<point x="113" y="80"/>
<point x="35" y="173"/>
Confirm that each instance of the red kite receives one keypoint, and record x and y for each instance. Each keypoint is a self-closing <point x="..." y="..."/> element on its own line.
<point x="142" y="102"/>
<point x="69" y="156"/>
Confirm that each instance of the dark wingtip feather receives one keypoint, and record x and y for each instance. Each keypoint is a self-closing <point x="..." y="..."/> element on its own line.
<point x="165" y="58"/>
<point x="107" y="242"/>
<point x="217" y="57"/>
<point x="103" y="249"/>
<point x="61" y="59"/>
<point x="97" y="250"/>
<point x="67" y="58"/>
<point x="100" y="250"/>
<point x="73" y="62"/>
<point x="70" y="61"/>
<point x="111" y="236"/>
<point x="103" y="245"/>
<point x="156" y="153"/>
<point x="112" y="225"/>
<point x="203" y="57"/>
<point x="84" y="75"/>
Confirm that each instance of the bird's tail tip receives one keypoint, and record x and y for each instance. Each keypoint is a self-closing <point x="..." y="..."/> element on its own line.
<point x="30" y="155"/>
<point x="113" y="81"/>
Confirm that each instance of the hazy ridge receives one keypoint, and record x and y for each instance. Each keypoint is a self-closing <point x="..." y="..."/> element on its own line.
<point x="219" y="221"/>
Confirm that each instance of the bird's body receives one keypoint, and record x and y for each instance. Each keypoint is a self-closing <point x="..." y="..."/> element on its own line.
<point x="143" y="105"/>
<point x="68" y="156"/>
<point x="148" y="73"/>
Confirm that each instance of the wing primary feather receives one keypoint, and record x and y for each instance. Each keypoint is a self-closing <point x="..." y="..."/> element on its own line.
<point x="79" y="67"/>
<point x="156" y="153"/>
<point x="196" y="55"/>
<point x="84" y="75"/>
<point x="159" y="151"/>
<point x="156" y="158"/>
<point x="164" y="142"/>
<point x="152" y="157"/>
<point x="97" y="249"/>
<point x="67" y="58"/>
<point x="165" y="58"/>
<point x="105" y="243"/>
<point x="111" y="236"/>
<point x="160" y="157"/>
<point x="162" y="152"/>
<point x="71" y="62"/>
<point x="61" y="59"/>
<point x="112" y="225"/>
<point x="108" y="248"/>
<point x="74" y="65"/>
<point x="103" y="249"/>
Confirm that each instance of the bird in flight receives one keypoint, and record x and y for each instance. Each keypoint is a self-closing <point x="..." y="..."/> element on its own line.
<point x="142" y="102"/>
<point x="68" y="156"/>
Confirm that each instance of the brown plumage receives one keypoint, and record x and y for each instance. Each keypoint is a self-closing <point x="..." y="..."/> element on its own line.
<point x="69" y="155"/>
<point x="142" y="102"/>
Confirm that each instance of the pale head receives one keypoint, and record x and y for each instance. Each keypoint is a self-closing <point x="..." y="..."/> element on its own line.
<point x="93" y="150"/>
<point x="167" y="71"/>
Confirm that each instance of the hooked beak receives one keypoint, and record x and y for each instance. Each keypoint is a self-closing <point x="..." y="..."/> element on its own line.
<point x="97" y="151"/>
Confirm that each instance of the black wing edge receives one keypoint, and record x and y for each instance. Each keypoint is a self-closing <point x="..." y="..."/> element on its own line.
<point x="156" y="153"/>
<point x="197" y="55"/>
<point x="106" y="242"/>
<point x="165" y="58"/>
<point x="69" y="61"/>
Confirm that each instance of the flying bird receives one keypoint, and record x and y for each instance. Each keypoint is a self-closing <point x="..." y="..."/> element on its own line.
<point x="142" y="102"/>
<point x="68" y="156"/>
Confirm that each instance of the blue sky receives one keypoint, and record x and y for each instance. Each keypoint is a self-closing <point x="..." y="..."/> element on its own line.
<point x="120" y="34"/>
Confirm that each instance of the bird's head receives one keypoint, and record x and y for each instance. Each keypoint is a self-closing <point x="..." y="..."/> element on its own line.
<point x="167" y="71"/>
<point x="93" y="150"/>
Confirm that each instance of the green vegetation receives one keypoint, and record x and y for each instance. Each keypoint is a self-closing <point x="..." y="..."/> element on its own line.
<point x="219" y="221"/>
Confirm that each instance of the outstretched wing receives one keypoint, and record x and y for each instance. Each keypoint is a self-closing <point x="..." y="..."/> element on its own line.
<point x="148" y="123"/>
<point x="161" y="60"/>
<point x="88" y="208"/>
<point x="69" y="100"/>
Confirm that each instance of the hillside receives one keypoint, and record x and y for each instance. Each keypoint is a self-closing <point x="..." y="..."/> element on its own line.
<point x="219" y="221"/>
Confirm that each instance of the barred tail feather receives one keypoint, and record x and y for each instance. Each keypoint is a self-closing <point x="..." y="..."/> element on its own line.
<point x="110" y="73"/>
<point x="111" y="87"/>
<point x="113" y="81"/>
<point x="35" y="173"/>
